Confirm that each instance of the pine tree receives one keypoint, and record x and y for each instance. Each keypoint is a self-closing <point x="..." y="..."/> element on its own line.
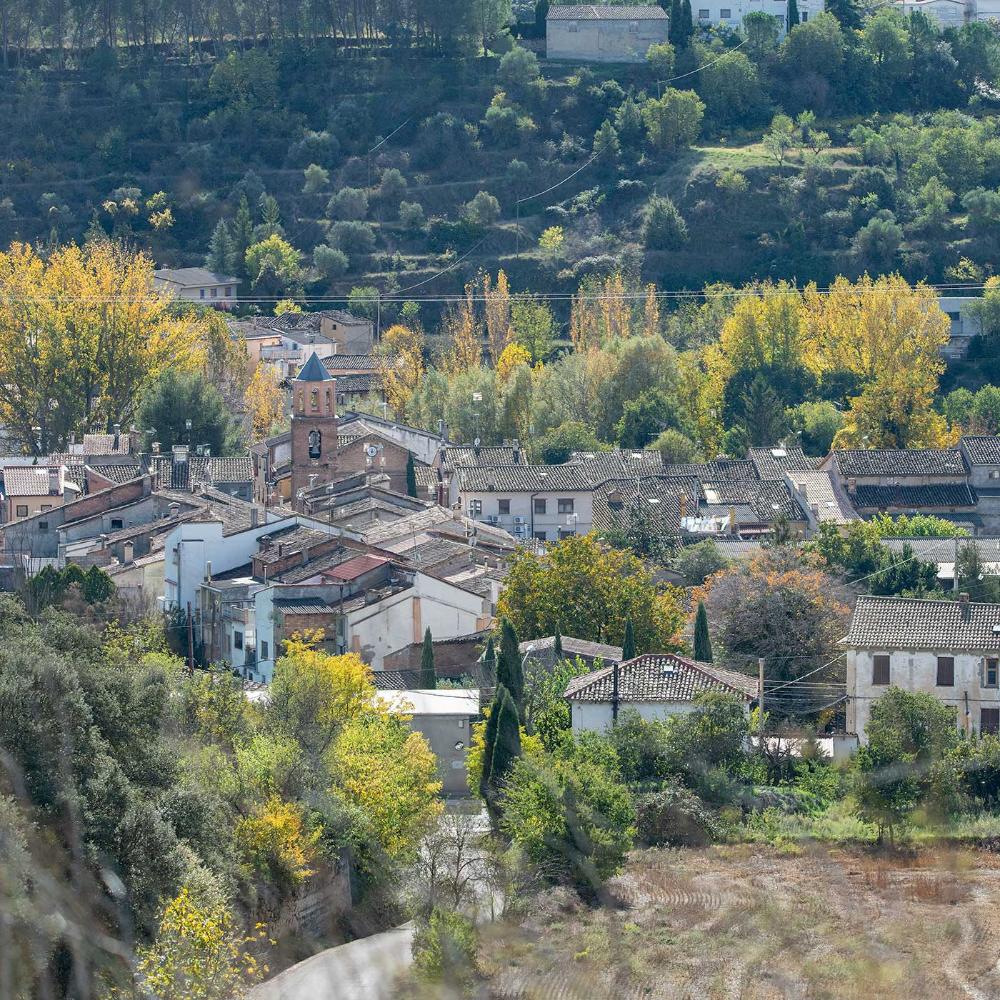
<point x="507" y="744"/>
<point x="411" y="475"/>
<point x="489" y="742"/>
<point x="428" y="678"/>
<point x="270" y="218"/>
<point x="557" y="645"/>
<point x="793" y="14"/>
<point x="702" y="640"/>
<point x="220" y="249"/>
<point x="242" y="237"/>
<point x="628" y="644"/>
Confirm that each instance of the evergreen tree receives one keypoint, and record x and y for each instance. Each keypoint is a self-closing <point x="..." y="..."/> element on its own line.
<point x="411" y="476"/>
<point x="270" y="218"/>
<point x="489" y="742"/>
<point x="507" y="743"/>
<point x="687" y="24"/>
<point x="702" y="641"/>
<point x="676" y="24"/>
<point x="489" y="658"/>
<point x="793" y="14"/>
<point x="509" y="666"/>
<point x="428" y="678"/>
<point x="557" y="644"/>
<point x="628" y="645"/>
<point x="220" y="249"/>
<point x="242" y="237"/>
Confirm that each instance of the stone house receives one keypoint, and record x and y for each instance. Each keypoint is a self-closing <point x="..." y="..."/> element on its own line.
<point x="603" y="33"/>
<point x="949" y="649"/>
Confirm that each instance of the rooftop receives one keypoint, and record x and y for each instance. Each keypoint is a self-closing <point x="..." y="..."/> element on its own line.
<point x="439" y="701"/>
<point x="31" y="481"/>
<point x="602" y="12"/>
<point x="524" y="479"/>
<point x="888" y="623"/>
<point x="351" y="363"/>
<point x="466" y="456"/>
<point x="313" y="371"/>
<point x="901" y="462"/>
<point x="659" y="677"/>
<point x="819" y="488"/>
<point x="193" y="277"/>
<point x="982" y="449"/>
<point x="772" y="463"/>
<point x="912" y="497"/>
<point x="575" y="647"/>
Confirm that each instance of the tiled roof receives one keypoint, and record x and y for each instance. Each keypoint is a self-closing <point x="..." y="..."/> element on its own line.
<point x="355" y="567"/>
<point x="523" y="478"/>
<point x="615" y="500"/>
<point x="28" y="481"/>
<point x="771" y="463"/>
<point x="604" y="465"/>
<point x="767" y="499"/>
<point x="303" y="605"/>
<point x="198" y="469"/>
<point x="737" y="548"/>
<point x="351" y="363"/>
<point x="982" y="449"/>
<point x="904" y="623"/>
<point x="601" y="12"/>
<point x="189" y="277"/>
<point x="465" y="456"/>
<point x="819" y="488"/>
<point x="906" y="497"/>
<point x="944" y="550"/>
<point x="723" y="468"/>
<point x="104" y="444"/>
<point x="120" y="473"/>
<point x="659" y="677"/>
<point x="574" y="647"/>
<point x="901" y="462"/>
<point x="365" y="382"/>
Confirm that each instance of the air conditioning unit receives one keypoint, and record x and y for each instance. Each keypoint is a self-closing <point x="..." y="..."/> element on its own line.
<point x="492" y="519"/>
<point x="519" y="529"/>
<point x="520" y="520"/>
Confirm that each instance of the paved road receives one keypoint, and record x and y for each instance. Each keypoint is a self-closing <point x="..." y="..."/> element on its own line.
<point x="361" y="970"/>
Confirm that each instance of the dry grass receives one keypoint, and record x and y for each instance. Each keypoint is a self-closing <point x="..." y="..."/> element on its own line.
<point x="754" y="923"/>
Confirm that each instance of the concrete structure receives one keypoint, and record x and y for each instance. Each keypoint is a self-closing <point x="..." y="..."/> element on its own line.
<point x="444" y="718"/>
<point x="595" y="33"/>
<point x="656" y="685"/>
<point x="949" y="649"/>
<point x="197" y="284"/>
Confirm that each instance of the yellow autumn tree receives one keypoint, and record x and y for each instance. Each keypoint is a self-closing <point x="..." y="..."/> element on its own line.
<point x="82" y="334"/>
<point x="651" y="313"/>
<point x="889" y="335"/>
<point x="275" y="844"/>
<point x="388" y="771"/>
<point x="496" y="303"/>
<point x="263" y="401"/>
<point x="600" y="312"/>
<point x="464" y="347"/>
<point x="400" y="355"/>
<point x="226" y="361"/>
<point x="511" y="356"/>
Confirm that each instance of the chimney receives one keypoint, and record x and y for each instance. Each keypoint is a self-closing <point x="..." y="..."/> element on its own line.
<point x="174" y="509"/>
<point x="814" y="507"/>
<point x="852" y="487"/>
<point x="963" y="598"/>
<point x="732" y="520"/>
<point x="683" y="499"/>
<point x="517" y="452"/>
<point x="55" y="480"/>
<point x="208" y="571"/>
<point x="254" y="516"/>
<point x="156" y="447"/>
<point x="180" y="452"/>
<point x="313" y="476"/>
<point x="118" y="436"/>
<point x="128" y="553"/>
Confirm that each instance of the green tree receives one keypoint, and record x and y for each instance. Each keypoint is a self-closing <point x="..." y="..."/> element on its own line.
<point x="518" y="69"/>
<point x="674" y="121"/>
<point x="315" y="179"/>
<point x="428" y="677"/>
<point x="702" y="640"/>
<point x="411" y="475"/>
<point x="221" y="253"/>
<point x="507" y="743"/>
<point x="509" y="664"/>
<point x="762" y="32"/>
<point x="490" y="742"/>
<point x="557" y="445"/>
<point x="534" y="328"/>
<point x="792" y="17"/>
<point x="242" y="236"/>
<point x="660" y="60"/>
<point x="628" y="643"/>
<point x="663" y="226"/>
<point x="176" y="398"/>
<point x="731" y="90"/>
<point x="348" y="204"/>
<point x="272" y="266"/>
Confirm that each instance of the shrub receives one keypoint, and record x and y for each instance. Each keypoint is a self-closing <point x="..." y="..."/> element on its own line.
<point x="352" y="237"/>
<point x="674" y="815"/>
<point x="392" y="187"/>
<point x="330" y="261"/>
<point x="483" y="210"/>
<point x="411" y="215"/>
<point x="444" y="948"/>
<point x="663" y="226"/>
<point x="518" y="68"/>
<point x="348" y="203"/>
<point x="316" y="178"/>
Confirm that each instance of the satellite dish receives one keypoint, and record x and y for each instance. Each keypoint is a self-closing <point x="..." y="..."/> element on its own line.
<point x="476" y="442"/>
<point x="371" y="451"/>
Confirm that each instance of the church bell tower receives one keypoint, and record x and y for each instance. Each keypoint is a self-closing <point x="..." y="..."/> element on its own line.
<point x="314" y="428"/>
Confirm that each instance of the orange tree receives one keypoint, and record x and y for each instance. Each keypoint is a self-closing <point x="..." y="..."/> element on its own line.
<point x="589" y="590"/>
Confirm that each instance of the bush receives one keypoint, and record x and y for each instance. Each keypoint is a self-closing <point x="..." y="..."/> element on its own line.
<point x="518" y="68"/>
<point x="392" y="187"/>
<point x="978" y="763"/>
<point x="348" y="203"/>
<point x="557" y="445"/>
<point x="663" y="226"/>
<point x="483" y="210"/>
<point x="352" y="237"/>
<point x="444" y="948"/>
<point x="674" y="816"/>
<point x="411" y="216"/>
<point x="330" y="261"/>
<point x="316" y="178"/>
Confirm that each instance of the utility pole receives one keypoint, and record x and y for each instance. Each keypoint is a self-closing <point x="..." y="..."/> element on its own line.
<point x="190" y="624"/>
<point x="760" y="688"/>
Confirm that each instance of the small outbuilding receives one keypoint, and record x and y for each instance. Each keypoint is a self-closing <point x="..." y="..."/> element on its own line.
<point x="603" y="33"/>
<point x="656" y="685"/>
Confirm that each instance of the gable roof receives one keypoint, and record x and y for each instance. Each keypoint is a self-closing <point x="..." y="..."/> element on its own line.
<point x="616" y="499"/>
<point x="190" y="277"/>
<point x="575" y="647"/>
<point x="313" y="371"/>
<point x="772" y="462"/>
<point x="723" y="468"/>
<point x="901" y="462"/>
<point x="907" y="497"/>
<point x="659" y="677"/>
<point x="604" y="465"/>
<point x="464" y="456"/>
<point x="982" y="449"/>
<point x="351" y="363"/>
<point x="30" y="481"/>
<point x="603" y="12"/>
<point x="821" y="489"/>
<point x="767" y="499"/>
<point x="524" y="479"/>
<point x="888" y="623"/>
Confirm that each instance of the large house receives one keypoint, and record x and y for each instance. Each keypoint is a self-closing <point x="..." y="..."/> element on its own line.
<point x="656" y="685"/>
<point x="197" y="284"/>
<point x="950" y="649"/>
<point x="730" y="13"/>
<point x="603" y="33"/>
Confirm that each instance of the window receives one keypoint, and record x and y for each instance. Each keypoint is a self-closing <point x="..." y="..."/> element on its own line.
<point x="703" y="15"/>
<point x="565" y="505"/>
<point x="116" y="524"/>
<point x="43" y="525"/>
<point x="263" y="650"/>
<point x="946" y="671"/>
<point x="22" y="510"/>
<point x="880" y="670"/>
<point x="725" y="13"/>
<point x="991" y="672"/>
<point x="539" y="505"/>
<point x="45" y="507"/>
<point x="994" y="473"/>
<point x="804" y="16"/>
<point x="476" y="508"/>
<point x="201" y="293"/>
<point x="633" y="27"/>
<point x="566" y="532"/>
<point x="215" y="293"/>
<point x="229" y="291"/>
<point x="238" y="640"/>
<point x="989" y="720"/>
<point x="503" y="506"/>
<point x="539" y="536"/>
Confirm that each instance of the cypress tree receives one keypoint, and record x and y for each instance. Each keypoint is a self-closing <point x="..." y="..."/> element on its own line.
<point x="489" y="741"/>
<point x="793" y="14"/>
<point x="702" y="641"/>
<point x="676" y="24"/>
<point x="489" y="659"/>
<point x="687" y="29"/>
<point x="411" y="475"/>
<point x="428" y="678"/>
<point x="220" y="249"/>
<point x="557" y="645"/>
<point x="507" y="742"/>
<point x="628" y="645"/>
<point x="509" y="665"/>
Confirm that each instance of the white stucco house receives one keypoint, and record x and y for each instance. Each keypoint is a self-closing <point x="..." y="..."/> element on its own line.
<point x="730" y="13"/>
<point x="602" y="33"/>
<point x="950" y="649"/>
<point x="656" y="685"/>
<point x="198" y="284"/>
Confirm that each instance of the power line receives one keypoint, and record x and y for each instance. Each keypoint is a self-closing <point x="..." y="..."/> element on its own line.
<point x="706" y="65"/>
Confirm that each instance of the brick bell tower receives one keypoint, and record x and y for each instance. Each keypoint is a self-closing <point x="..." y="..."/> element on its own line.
<point x="314" y="427"/>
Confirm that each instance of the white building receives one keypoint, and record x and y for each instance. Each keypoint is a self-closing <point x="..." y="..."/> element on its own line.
<point x="656" y="685"/>
<point x="197" y="284"/>
<point x="731" y="12"/>
<point x="950" y="649"/>
<point x="544" y="502"/>
<point x="598" y="33"/>
<point x="964" y="326"/>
